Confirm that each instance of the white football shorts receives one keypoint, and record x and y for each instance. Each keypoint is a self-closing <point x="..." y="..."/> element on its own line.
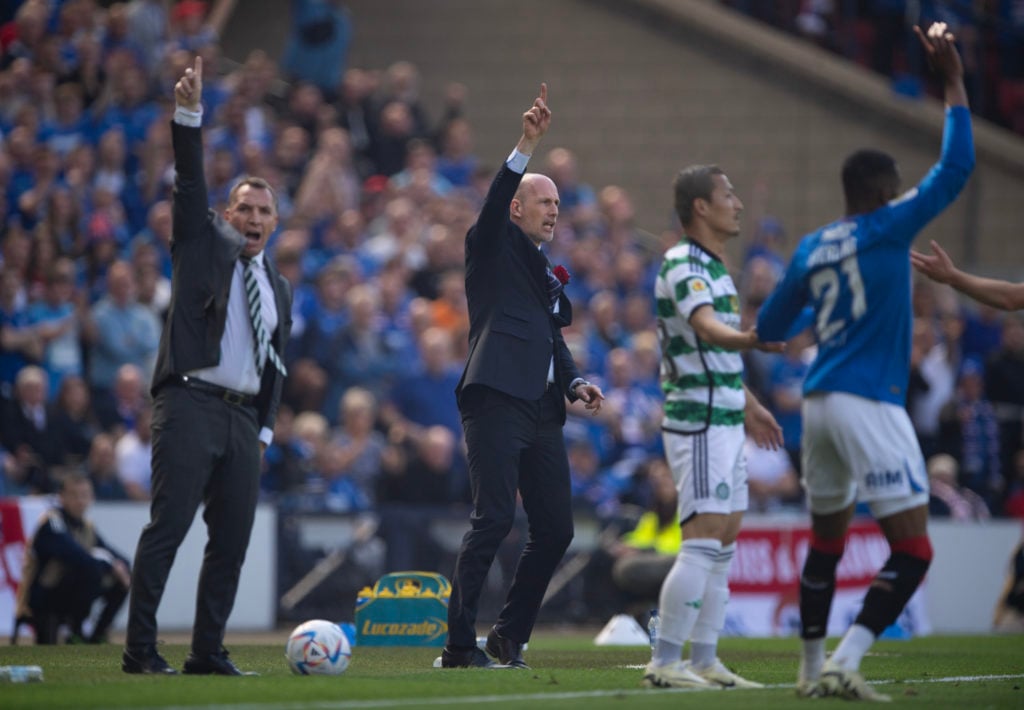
<point x="710" y="470"/>
<point x="860" y="449"/>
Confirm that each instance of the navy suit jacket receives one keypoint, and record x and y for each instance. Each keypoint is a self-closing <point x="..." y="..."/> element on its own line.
<point x="513" y="333"/>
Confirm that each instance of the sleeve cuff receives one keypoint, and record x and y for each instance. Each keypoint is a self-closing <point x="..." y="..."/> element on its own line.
<point x="517" y="161"/>
<point x="188" y="117"/>
<point x="266" y="435"/>
<point x="575" y="383"/>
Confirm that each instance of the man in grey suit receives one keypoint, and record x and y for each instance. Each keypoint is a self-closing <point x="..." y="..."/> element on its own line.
<point x="512" y="400"/>
<point x="216" y="389"/>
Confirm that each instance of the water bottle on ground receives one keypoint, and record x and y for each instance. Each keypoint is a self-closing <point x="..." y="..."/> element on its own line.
<point x="20" y="674"/>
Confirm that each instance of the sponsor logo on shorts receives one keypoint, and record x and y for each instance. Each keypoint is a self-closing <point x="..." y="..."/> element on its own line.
<point x="876" y="480"/>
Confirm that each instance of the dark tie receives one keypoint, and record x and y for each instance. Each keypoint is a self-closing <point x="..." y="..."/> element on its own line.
<point x="262" y="349"/>
<point x="554" y="287"/>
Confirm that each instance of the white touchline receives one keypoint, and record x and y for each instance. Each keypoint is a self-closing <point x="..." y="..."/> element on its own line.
<point x="473" y="699"/>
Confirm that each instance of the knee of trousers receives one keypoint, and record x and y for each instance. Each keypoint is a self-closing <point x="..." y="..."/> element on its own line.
<point x="491" y="529"/>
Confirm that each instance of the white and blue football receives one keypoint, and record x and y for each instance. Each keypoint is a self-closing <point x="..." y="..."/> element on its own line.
<point x="318" y="647"/>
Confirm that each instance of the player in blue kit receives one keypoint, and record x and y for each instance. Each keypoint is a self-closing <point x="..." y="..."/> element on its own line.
<point x="858" y="442"/>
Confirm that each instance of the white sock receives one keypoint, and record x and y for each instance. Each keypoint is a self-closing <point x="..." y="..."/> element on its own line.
<point x="813" y="659"/>
<point x="851" y="649"/>
<point x="682" y="596"/>
<point x="704" y="637"/>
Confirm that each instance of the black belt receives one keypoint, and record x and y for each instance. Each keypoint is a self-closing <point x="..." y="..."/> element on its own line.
<point x="230" y="396"/>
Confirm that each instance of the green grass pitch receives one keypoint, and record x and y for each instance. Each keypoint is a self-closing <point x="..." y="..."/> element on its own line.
<point x="568" y="671"/>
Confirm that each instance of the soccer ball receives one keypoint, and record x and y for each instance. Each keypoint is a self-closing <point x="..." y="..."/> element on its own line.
<point x="318" y="647"/>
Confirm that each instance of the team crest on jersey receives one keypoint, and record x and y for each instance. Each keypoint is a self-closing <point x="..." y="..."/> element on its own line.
<point x="722" y="491"/>
<point x="696" y="285"/>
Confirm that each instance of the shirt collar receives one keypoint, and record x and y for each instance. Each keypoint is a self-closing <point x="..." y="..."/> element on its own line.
<point x="256" y="260"/>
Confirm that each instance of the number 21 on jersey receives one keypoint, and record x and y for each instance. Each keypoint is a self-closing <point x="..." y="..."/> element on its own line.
<point x="837" y="286"/>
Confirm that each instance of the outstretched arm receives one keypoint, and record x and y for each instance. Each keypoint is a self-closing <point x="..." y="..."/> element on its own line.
<point x="711" y="330"/>
<point x="938" y="266"/>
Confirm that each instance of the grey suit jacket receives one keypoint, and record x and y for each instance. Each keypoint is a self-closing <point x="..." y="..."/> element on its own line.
<point x="204" y="250"/>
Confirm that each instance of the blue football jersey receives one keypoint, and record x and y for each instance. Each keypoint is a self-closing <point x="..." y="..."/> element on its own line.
<point x="855" y="274"/>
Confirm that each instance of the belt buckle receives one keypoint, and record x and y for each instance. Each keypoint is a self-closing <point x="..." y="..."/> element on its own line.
<point x="234" y="398"/>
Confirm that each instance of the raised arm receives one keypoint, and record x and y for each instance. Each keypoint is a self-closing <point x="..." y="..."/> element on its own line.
<point x="940" y="48"/>
<point x="494" y="214"/>
<point x="536" y="122"/>
<point x="190" y="195"/>
<point x="938" y="266"/>
<point x="947" y="178"/>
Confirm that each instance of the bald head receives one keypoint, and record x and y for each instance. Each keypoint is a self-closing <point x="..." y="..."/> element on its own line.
<point x="534" y="207"/>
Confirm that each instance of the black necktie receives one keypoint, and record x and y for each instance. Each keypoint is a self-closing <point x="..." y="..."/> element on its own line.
<point x="554" y="287"/>
<point x="262" y="349"/>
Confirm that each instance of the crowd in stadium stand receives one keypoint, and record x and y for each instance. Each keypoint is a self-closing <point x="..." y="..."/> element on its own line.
<point x="375" y="198"/>
<point x="877" y="34"/>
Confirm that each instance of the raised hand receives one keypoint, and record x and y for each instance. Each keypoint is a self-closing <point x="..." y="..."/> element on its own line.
<point x="940" y="49"/>
<point x="189" y="89"/>
<point x="536" y="122"/>
<point x="937" y="266"/>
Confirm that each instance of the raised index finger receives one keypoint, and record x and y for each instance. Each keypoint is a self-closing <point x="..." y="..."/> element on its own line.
<point x="544" y="92"/>
<point x="198" y="68"/>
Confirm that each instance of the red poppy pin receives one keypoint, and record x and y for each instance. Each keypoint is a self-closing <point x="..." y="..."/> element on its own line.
<point x="561" y="274"/>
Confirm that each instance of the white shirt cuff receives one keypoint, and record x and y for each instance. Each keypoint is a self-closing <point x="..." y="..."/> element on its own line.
<point x="517" y="161"/>
<point x="188" y="117"/>
<point x="266" y="435"/>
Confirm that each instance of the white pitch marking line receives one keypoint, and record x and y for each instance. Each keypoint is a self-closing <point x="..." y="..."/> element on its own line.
<point x="466" y="700"/>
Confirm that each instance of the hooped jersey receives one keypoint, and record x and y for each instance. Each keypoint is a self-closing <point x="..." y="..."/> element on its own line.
<point x="702" y="383"/>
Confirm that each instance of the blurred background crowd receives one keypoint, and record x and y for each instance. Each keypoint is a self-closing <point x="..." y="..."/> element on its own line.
<point x="877" y="34"/>
<point x="376" y="195"/>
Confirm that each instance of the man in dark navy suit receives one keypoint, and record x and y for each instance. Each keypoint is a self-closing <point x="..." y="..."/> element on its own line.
<point x="512" y="400"/>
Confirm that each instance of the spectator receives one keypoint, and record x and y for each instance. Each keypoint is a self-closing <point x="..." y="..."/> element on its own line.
<point x="359" y="354"/>
<point x="578" y="201"/>
<point x="101" y="468"/>
<point x="457" y="163"/>
<point x="68" y="566"/>
<point x="19" y="343"/>
<point x="947" y="499"/>
<point x="26" y="430"/>
<point x="73" y="424"/>
<point x="330" y="185"/>
<point x="133" y="453"/>
<point x="644" y="555"/>
<point x="357" y="449"/>
<point x="415" y="480"/>
<point x="593" y="491"/>
<point x="420" y="396"/>
<point x="318" y="43"/>
<point x="119" y="331"/>
<point x="55" y="320"/>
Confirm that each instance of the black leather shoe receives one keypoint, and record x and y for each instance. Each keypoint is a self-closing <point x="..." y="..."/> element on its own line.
<point x="212" y="664"/>
<point x="507" y="651"/>
<point x="145" y="660"/>
<point x="465" y="658"/>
